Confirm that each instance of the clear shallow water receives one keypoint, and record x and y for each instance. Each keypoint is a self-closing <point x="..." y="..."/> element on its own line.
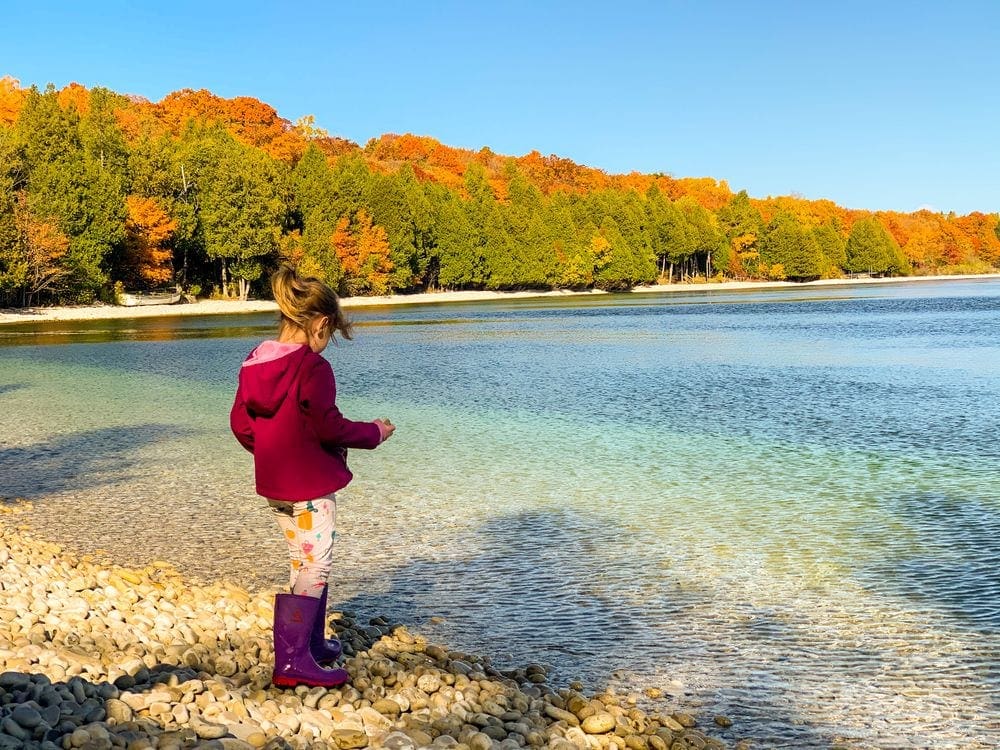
<point x="781" y="506"/>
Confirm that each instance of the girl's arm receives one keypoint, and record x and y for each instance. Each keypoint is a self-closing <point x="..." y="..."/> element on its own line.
<point x="240" y="422"/>
<point x="318" y="399"/>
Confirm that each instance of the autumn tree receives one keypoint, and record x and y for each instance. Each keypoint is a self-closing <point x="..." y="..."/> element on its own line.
<point x="149" y="229"/>
<point x="11" y="100"/>
<point x="35" y="266"/>
<point x="363" y="255"/>
<point x="170" y="171"/>
<point x="374" y="256"/>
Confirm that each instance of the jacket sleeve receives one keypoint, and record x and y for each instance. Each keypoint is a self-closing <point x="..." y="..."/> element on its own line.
<point x="240" y="422"/>
<point x="318" y="400"/>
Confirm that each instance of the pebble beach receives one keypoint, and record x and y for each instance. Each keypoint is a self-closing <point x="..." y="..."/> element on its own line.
<point x="94" y="655"/>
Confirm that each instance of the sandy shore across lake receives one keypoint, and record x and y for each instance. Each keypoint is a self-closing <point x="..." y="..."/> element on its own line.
<point x="215" y="307"/>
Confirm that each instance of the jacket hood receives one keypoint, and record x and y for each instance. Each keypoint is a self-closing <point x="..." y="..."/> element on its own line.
<point x="269" y="373"/>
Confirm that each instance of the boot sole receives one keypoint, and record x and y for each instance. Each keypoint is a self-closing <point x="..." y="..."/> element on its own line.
<point x="294" y="681"/>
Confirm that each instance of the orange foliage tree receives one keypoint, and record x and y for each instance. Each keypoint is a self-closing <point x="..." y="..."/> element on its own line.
<point x="41" y="247"/>
<point x="148" y="231"/>
<point x="11" y="99"/>
<point x="363" y="255"/>
<point x="76" y="96"/>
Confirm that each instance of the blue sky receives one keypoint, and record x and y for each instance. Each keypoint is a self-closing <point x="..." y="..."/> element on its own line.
<point x="892" y="105"/>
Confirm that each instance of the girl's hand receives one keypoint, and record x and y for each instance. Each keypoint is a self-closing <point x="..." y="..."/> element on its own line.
<point x="385" y="427"/>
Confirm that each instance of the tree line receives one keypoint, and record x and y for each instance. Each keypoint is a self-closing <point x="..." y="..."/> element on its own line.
<point x="100" y="192"/>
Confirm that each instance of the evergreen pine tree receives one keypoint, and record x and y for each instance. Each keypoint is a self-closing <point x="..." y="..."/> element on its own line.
<point x="787" y="244"/>
<point x="455" y="247"/>
<point x="832" y="246"/>
<point x="242" y="212"/>
<point x="871" y="249"/>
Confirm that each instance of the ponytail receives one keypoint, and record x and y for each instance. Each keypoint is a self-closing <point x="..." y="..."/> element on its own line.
<point x="302" y="299"/>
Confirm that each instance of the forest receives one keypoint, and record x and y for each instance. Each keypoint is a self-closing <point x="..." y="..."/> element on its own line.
<point x="102" y="192"/>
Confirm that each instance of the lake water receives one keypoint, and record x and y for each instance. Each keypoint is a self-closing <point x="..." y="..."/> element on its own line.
<point x="782" y="506"/>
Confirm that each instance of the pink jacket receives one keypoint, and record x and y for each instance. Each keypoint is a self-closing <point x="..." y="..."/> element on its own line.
<point x="286" y="415"/>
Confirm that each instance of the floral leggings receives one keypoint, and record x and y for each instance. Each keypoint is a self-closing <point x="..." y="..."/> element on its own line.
<point x="309" y="528"/>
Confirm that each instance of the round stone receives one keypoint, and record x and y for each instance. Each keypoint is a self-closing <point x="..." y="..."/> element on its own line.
<point x="15" y="730"/>
<point x="685" y="720"/>
<point x="118" y="711"/>
<point x="207" y="730"/>
<point x="429" y="683"/>
<point x="26" y="716"/>
<point x="600" y="723"/>
<point x="387" y="707"/>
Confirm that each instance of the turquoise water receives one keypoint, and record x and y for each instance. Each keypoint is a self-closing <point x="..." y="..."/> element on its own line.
<point x="782" y="506"/>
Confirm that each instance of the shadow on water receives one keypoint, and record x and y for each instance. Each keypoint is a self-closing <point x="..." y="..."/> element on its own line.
<point x="952" y="565"/>
<point x="6" y="388"/>
<point x="952" y="562"/>
<point x="79" y="460"/>
<point x="536" y="592"/>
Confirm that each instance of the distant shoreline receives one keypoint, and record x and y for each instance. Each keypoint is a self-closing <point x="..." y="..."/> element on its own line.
<point x="222" y="307"/>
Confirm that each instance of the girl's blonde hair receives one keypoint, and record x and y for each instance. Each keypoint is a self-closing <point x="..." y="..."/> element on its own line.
<point x="302" y="299"/>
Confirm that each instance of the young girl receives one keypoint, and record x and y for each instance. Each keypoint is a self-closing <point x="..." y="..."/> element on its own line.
<point x="286" y="415"/>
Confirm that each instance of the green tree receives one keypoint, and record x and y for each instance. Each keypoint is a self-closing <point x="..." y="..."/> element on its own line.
<point x="318" y="257"/>
<point x="871" y="249"/>
<point x="569" y="247"/>
<point x="161" y="168"/>
<point x="832" y="245"/>
<point x="385" y="197"/>
<point x="349" y="176"/>
<point x="618" y="266"/>
<point x="68" y="182"/>
<point x="788" y="244"/>
<point x="457" y="252"/>
<point x="517" y="252"/>
<point x="742" y="224"/>
<point x="11" y="269"/>
<point x="674" y="239"/>
<point x="242" y="212"/>
<point x="421" y="216"/>
<point x="708" y="244"/>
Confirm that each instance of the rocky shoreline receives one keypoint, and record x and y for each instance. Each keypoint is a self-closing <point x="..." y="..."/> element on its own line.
<point x="98" y="656"/>
<point x="230" y="307"/>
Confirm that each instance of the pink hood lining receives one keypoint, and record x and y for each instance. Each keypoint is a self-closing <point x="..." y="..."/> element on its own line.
<point x="268" y="351"/>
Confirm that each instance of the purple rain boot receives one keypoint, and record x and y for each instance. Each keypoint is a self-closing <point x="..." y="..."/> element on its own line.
<point x="294" y="616"/>
<point x="324" y="651"/>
